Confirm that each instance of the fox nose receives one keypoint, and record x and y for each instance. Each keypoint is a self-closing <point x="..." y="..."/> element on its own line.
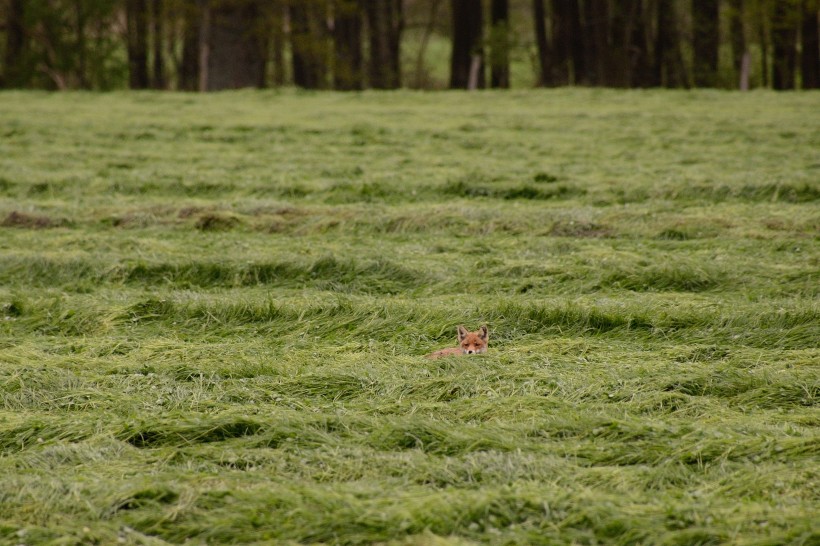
<point x="470" y="351"/>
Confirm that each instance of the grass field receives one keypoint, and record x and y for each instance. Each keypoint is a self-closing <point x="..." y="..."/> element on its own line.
<point x="214" y="311"/>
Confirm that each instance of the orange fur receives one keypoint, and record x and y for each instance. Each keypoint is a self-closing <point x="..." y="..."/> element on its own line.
<point x="468" y="343"/>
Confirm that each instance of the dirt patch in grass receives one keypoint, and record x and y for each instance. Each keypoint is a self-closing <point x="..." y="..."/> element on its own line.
<point x="580" y="229"/>
<point x="188" y="212"/>
<point x="26" y="220"/>
<point x="217" y="222"/>
<point x="145" y="217"/>
<point x="462" y="188"/>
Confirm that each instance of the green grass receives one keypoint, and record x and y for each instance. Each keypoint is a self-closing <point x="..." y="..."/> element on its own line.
<point x="214" y="311"/>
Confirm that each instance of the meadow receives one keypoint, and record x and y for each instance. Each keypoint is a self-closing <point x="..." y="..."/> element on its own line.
<point x="214" y="311"/>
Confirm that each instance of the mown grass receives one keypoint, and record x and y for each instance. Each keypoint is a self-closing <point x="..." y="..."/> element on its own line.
<point x="214" y="311"/>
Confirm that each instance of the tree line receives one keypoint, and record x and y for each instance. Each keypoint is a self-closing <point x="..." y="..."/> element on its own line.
<point x="204" y="45"/>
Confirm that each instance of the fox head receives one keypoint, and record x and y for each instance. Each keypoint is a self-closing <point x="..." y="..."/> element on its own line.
<point x="473" y="342"/>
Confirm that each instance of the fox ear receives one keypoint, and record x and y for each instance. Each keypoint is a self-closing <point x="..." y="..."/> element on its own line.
<point x="483" y="333"/>
<point x="462" y="333"/>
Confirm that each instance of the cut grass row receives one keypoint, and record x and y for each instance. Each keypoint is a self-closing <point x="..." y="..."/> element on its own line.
<point x="473" y="186"/>
<point x="788" y="323"/>
<point x="659" y="220"/>
<point x="677" y="268"/>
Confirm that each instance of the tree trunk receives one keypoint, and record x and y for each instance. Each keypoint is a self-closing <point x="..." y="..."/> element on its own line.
<point x="638" y="47"/>
<point x="568" y="62"/>
<point x="580" y="73"/>
<point x="347" y="41"/>
<point x="300" y="42"/>
<point x="596" y="31"/>
<point x="764" y="44"/>
<point x="308" y="35"/>
<point x="137" y="19"/>
<point x="544" y="57"/>
<point x="189" y="67"/>
<point x="157" y="31"/>
<point x="745" y="66"/>
<point x="235" y="47"/>
<point x="420" y="78"/>
<point x="738" y="37"/>
<point x="385" y="23"/>
<point x="82" y="47"/>
<point x="784" y="41"/>
<point x="619" y="54"/>
<point x="173" y="40"/>
<point x="467" y="42"/>
<point x="278" y="17"/>
<point x="500" y="44"/>
<point x="561" y="46"/>
<point x="705" y="28"/>
<point x="669" y="70"/>
<point x="16" y="38"/>
<point x="810" y="46"/>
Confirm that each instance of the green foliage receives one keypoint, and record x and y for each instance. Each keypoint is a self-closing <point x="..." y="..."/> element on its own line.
<point x="69" y="44"/>
<point x="214" y="311"/>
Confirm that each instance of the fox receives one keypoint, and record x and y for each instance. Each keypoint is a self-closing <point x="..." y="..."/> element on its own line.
<point x="469" y="343"/>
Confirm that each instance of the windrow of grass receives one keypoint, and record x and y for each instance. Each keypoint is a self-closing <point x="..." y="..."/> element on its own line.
<point x="214" y="311"/>
<point x="768" y="224"/>
<point x="793" y="324"/>
<point x="534" y="266"/>
<point x="470" y="187"/>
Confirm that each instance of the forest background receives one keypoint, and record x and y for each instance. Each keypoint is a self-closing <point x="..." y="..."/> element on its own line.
<point x="428" y="44"/>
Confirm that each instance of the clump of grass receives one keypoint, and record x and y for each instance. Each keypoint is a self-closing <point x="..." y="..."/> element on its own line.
<point x="6" y="185"/>
<point x="326" y="272"/>
<point x="187" y="433"/>
<point x="680" y="276"/>
<point x="545" y="178"/>
<point x="438" y="438"/>
<point x="769" y="192"/>
<point x="672" y="234"/>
